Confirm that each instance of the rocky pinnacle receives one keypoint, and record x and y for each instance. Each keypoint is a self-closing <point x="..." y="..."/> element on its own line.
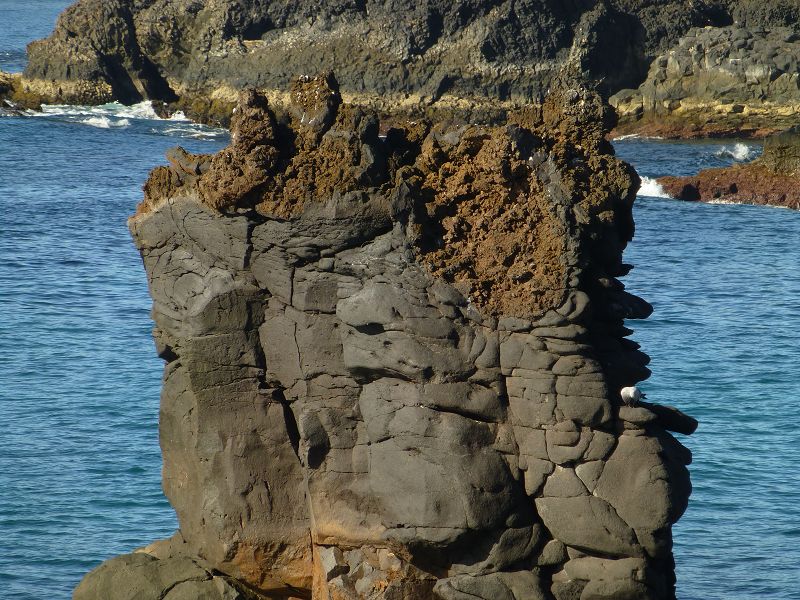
<point x="393" y="363"/>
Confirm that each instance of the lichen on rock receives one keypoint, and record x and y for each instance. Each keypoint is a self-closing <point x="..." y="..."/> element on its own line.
<point x="393" y="362"/>
<point x="501" y="212"/>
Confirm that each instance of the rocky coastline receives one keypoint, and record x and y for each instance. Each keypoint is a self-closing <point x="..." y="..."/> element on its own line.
<point x="393" y="363"/>
<point x="473" y="60"/>
<point x="718" y="82"/>
<point x="671" y="68"/>
<point x="770" y="180"/>
<point x="390" y="311"/>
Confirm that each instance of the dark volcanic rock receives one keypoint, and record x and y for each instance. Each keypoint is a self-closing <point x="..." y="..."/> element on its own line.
<point x="772" y="179"/>
<point x="782" y="152"/>
<point x="675" y="68"/>
<point x="145" y="577"/>
<point x="100" y="57"/>
<point x="735" y="80"/>
<point x="393" y="363"/>
<point x="476" y="58"/>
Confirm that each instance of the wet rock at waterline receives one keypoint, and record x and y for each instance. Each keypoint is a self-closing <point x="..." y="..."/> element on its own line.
<point x="773" y="179"/>
<point x="474" y="59"/>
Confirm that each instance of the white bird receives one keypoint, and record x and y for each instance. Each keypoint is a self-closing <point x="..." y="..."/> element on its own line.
<point x="632" y="395"/>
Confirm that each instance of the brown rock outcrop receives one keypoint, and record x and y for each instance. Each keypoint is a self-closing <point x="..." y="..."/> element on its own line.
<point x="393" y="362"/>
<point x="773" y="179"/>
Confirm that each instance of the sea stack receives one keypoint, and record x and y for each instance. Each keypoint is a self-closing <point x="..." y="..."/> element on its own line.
<point x="393" y="361"/>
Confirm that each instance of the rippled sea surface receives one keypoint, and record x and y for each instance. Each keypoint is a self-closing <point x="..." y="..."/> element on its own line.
<point x="79" y="379"/>
<point x="725" y="346"/>
<point x="22" y="21"/>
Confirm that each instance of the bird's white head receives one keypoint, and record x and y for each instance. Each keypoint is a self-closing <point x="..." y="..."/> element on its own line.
<point x="631" y="395"/>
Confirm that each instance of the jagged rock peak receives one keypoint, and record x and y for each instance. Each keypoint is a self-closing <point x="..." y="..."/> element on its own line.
<point x="507" y="214"/>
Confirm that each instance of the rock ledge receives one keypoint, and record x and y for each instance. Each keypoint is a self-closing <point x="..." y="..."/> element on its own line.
<point x="771" y="179"/>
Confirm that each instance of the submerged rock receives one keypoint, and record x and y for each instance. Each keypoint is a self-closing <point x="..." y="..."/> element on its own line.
<point x="773" y="179"/>
<point x="393" y="362"/>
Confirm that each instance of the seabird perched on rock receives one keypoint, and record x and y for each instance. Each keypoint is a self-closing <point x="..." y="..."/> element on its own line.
<point x="632" y="395"/>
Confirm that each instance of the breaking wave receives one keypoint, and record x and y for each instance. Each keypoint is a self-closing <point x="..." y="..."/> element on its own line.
<point x="636" y="136"/>
<point x="105" y="116"/>
<point x="141" y="117"/>
<point x="650" y="187"/>
<point x="193" y="131"/>
<point x="739" y="152"/>
<point x="105" y="122"/>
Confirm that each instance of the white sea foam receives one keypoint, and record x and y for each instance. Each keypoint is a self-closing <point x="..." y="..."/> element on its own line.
<point x="636" y="136"/>
<point x="142" y="110"/>
<point x="650" y="187"/>
<point x="739" y="152"/>
<point x="735" y="203"/>
<point x="118" y="116"/>
<point x="193" y="130"/>
<point x="179" y="116"/>
<point x="103" y="122"/>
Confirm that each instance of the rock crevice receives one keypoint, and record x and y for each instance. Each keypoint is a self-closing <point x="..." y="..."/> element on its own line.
<point x="395" y="360"/>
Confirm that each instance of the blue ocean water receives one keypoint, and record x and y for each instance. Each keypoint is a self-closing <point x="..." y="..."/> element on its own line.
<point x="79" y="379"/>
<point x="725" y="346"/>
<point x="22" y="21"/>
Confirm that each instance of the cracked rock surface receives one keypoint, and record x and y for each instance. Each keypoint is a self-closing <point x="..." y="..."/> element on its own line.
<point x="739" y="80"/>
<point x="393" y="362"/>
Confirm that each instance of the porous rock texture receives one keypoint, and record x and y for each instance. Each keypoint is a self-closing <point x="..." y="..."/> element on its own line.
<point x="771" y="179"/>
<point x="393" y="362"/>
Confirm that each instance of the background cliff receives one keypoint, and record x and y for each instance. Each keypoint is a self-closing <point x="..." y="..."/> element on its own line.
<point x="393" y="363"/>
<point x="771" y="179"/>
<point x="474" y="57"/>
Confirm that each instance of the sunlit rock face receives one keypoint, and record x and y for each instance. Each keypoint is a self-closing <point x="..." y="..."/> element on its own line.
<point x="393" y="361"/>
<point x="770" y="179"/>
<point x="471" y="57"/>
